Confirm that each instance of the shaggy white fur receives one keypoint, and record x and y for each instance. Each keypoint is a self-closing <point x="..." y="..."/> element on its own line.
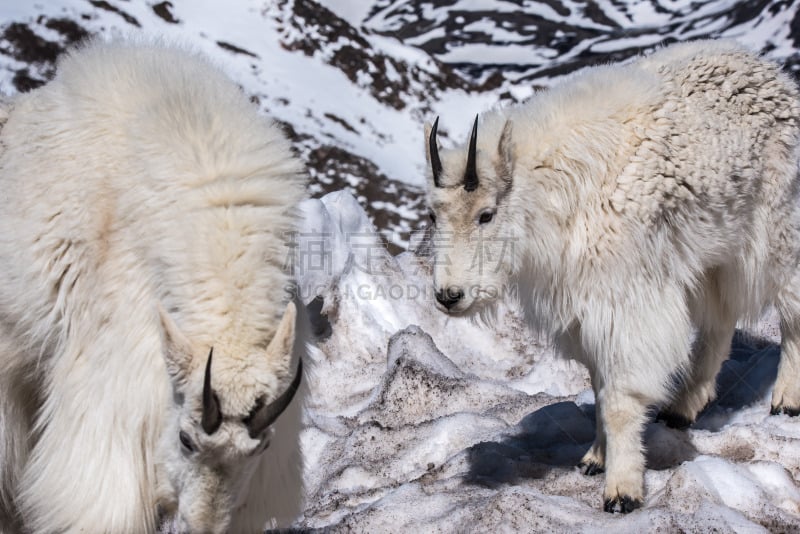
<point x="633" y="208"/>
<point x="144" y="215"/>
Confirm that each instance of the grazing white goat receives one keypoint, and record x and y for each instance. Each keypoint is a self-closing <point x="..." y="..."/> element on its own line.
<point x="632" y="207"/>
<point x="144" y="207"/>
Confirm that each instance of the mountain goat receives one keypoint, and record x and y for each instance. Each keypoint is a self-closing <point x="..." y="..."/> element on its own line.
<point x="149" y="356"/>
<point x="637" y="212"/>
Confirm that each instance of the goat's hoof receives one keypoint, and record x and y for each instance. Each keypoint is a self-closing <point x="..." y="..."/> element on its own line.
<point x="791" y="412"/>
<point x="674" y="420"/>
<point x="591" y="468"/>
<point x="621" y="505"/>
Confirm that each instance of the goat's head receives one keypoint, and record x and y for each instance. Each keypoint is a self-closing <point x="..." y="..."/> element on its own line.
<point x="225" y="408"/>
<point x="472" y="235"/>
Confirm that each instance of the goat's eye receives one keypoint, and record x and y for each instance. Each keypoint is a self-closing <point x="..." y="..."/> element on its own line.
<point x="486" y="217"/>
<point x="186" y="441"/>
<point x="432" y="217"/>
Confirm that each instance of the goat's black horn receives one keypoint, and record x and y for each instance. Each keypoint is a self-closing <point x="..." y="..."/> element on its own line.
<point x="471" y="174"/>
<point x="264" y="415"/>
<point x="212" y="416"/>
<point x="436" y="163"/>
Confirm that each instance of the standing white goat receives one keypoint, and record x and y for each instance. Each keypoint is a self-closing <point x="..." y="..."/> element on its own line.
<point x="629" y="207"/>
<point x="144" y="209"/>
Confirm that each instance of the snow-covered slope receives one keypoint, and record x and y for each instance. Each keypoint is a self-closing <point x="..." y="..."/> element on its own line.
<point x="529" y="39"/>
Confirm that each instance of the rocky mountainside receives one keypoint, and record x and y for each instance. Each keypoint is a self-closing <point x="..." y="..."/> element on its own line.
<point x="353" y="81"/>
<point x="524" y="40"/>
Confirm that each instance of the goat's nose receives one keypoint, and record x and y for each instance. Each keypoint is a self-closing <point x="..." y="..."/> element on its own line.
<point x="449" y="297"/>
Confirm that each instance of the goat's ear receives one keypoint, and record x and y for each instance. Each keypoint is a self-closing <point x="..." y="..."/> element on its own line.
<point x="280" y="348"/>
<point x="505" y="151"/>
<point x="177" y="348"/>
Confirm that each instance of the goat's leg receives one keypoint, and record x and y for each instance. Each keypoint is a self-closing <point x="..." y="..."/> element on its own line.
<point x="786" y="394"/>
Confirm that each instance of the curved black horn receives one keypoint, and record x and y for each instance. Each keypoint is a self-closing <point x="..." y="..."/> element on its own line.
<point x="212" y="416"/>
<point x="436" y="163"/>
<point x="471" y="174"/>
<point x="263" y="415"/>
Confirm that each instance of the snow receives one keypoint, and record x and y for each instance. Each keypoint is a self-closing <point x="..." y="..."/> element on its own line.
<point x="353" y="11"/>
<point x="492" y="54"/>
<point x="419" y="420"/>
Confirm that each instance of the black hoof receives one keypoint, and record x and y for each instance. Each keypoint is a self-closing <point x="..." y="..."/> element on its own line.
<point x="674" y="420"/>
<point x="791" y="412"/>
<point x="591" y="468"/>
<point x="621" y="505"/>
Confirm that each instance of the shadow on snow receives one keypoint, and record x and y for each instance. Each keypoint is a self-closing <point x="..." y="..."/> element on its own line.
<point x="558" y="435"/>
